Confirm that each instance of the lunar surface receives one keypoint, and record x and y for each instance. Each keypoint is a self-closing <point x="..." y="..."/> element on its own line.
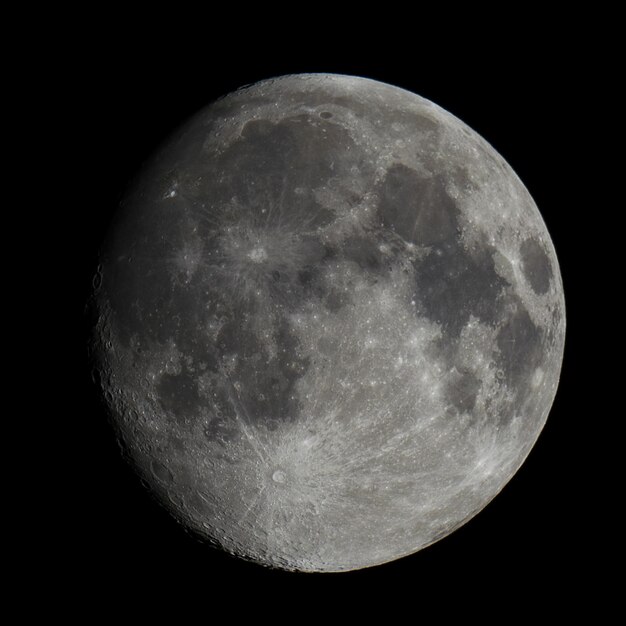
<point x="329" y="323"/>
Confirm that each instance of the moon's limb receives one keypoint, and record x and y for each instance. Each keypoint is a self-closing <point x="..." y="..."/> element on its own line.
<point x="331" y="323"/>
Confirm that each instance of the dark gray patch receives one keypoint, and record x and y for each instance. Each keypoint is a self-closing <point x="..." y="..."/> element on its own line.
<point x="311" y="286"/>
<point x="415" y="207"/>
<point x="462" y="390"/>
<point x="257" y="128"/>
<point x="310" y="252"/>
<point x="336" y="299"/>
<point x="520" y="345"/>
<point x="260" y="386"/>
<point x="306" y="277"/>
<point x="364" y="252"/>
<point x="178" y="394"/>
<point x="152" y="309"/>
<point x="266" y="390"/>
<point x="238" y="336"/>
<point x="452" y="285"/>
<point x="137" y="280"/>
<point x="536" y="265"/>
<point x="273" y="169"/>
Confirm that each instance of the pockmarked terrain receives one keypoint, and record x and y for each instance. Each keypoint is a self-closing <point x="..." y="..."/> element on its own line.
<point x="329" y="323"/>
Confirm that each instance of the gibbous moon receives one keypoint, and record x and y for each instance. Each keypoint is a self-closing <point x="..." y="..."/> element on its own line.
<point x="329" y="323"/>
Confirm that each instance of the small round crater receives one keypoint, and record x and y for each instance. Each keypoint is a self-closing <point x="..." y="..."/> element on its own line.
<point x="97" y="279"/>
<point x="326" y="115"/>
<point x="279" y="476"/>
<point x="271" y="425"/>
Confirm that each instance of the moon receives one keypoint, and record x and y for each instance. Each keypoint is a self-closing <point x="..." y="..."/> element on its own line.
<point x="328" y="323"/>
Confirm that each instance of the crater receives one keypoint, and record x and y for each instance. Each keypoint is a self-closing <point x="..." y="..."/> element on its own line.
<point x="279" y="476"/>
<point x="258" y="255"/>
<point x="161" y="472"/>
<point x="97" y="279"/>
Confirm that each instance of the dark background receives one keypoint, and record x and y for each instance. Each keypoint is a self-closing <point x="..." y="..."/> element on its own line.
<point x="117" y="93"/>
